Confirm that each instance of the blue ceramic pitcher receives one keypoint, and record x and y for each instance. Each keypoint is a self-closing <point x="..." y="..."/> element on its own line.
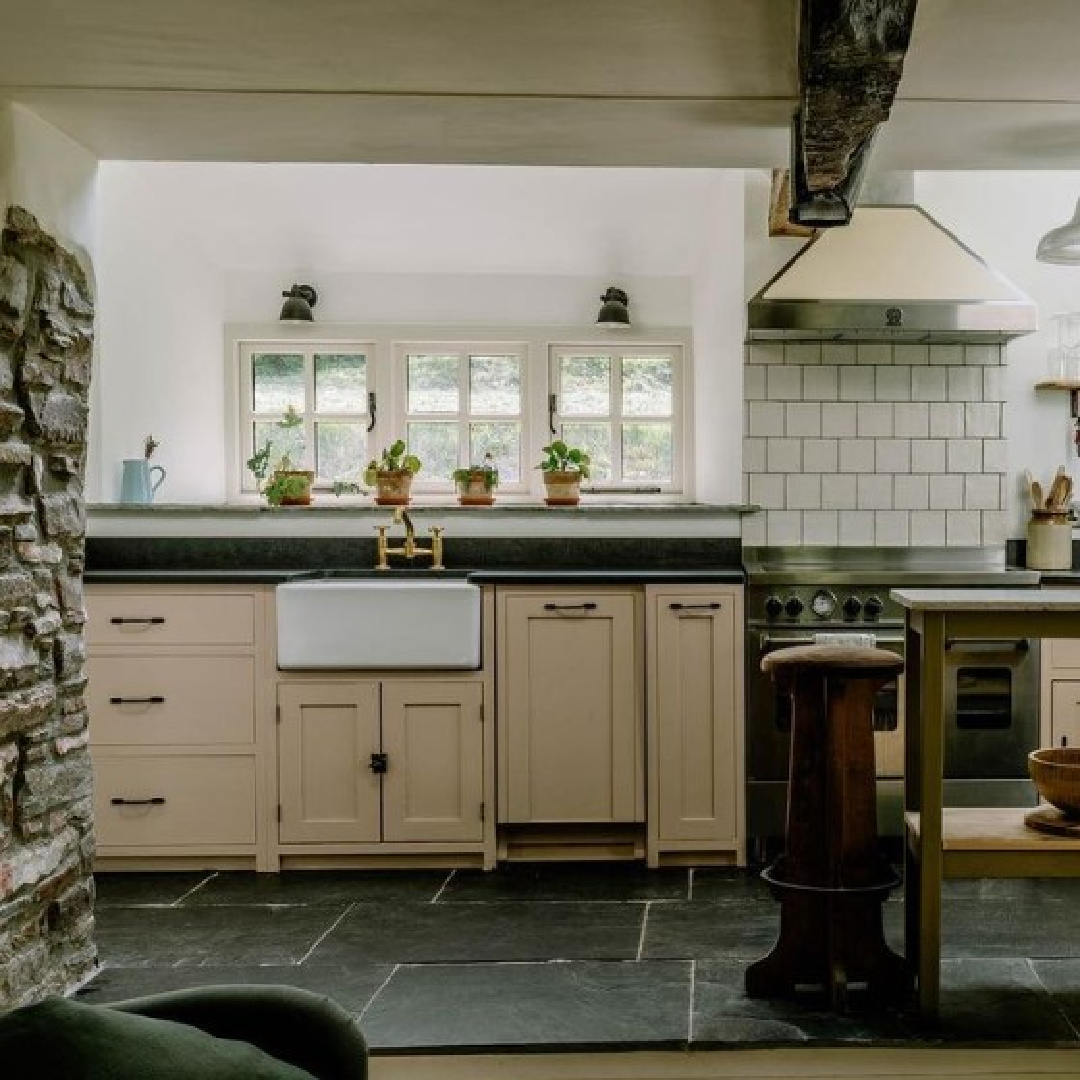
<point x="140" y="480"/>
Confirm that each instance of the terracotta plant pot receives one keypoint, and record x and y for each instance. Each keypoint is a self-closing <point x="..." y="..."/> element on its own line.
<point x="475" y="489"/>
<point x="563" y="488"/>
<point x="393" y="488"/>
<point x="304" y="498"/>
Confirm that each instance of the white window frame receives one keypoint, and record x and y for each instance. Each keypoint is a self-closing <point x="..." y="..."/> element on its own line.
<point x="463" y="417"/>
<point x="615" y="418"/>
<point x="244" y="405"/>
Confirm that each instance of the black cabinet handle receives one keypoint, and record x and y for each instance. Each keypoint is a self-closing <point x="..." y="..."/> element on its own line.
<point x="157" y="699"/>
<point x="695" y="607"/>
<point x="153" y="620"/>
<point x="587" y="606"/>
<point x="379" y="763"/>
<point x="157" y="800"/>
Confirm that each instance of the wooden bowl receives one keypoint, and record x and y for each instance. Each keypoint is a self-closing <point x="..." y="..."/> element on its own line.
<point x="1056" y="773"/>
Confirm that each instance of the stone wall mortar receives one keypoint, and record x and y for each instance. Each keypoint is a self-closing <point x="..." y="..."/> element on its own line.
<point x="46" y="839"/>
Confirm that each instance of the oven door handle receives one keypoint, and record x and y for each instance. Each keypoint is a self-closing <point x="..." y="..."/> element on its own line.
<point x="994" y="644"/>
<point x="766" y="640"/>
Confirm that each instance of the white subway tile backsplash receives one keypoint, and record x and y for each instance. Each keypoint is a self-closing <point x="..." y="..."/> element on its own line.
<point x="821" y="383"/>
<point x="993" y="383"/>
<point x="928" y="528"/>
<point x="821" y="527"/>
<point x="946" y="420"/>
<point x="874" y="352"/>
<point x="838" y="419"/>
<point x="965" y="384"/>
<point x="784" y="528"/>
<point x="995" y="458"/>
<point x="857" y="455"/>
<point x="857" y="528"/>
<point x="856" y="384"/>
<point x="892" y="528"/>
<point x="766" y="352"/>
<point x="893" y="384"/>
<point x="767" y="490"/>
<point x="995" y="528"/>
<point x="783" y="455"/>
<point x="754" y="533"/>
<point x="910" y="354"/>
<point x="753" y="455"/>
<point x="839" y="492"/>
<point x="911" y="419"/>
<point x="838" y="352"/>
<point x="963" y="528"/>
<point x="947" y="355"/>
<point x="875" y="420"/>
<point x="892" y="455"/>
<point x="946" y="492"/>
<point x="803" y="491"/>
<point x="754" y="382"/>
<point x="765" y="418"/>
<point x="982" y="354"/>
<point x="982" y="492"/>
<point x="928" y="384"/>
<point x="928" y="455"/>
<point x="963" y="455"/>
<point x="911" y="492"/>
<point x="820" y="455"/>
<point x="875" y="492"/>
<point x="803" y="352"/>
<point x="982" y="419"/>
<point x="785" y="383"/>
<point x="802" y="419"/>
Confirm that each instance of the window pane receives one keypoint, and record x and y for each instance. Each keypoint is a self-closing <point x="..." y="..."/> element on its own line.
<point x="584" y="385"/>
<point x="282" y="441"/>
<point x="646" y="386"/>
<point x="436" y="445"/>
<point x="340" y="451"/>
<point x="433" y="384"/>
<point x="495" y="385"/>
<point x="595" y="440"/>
<point x="647" y="452"/>
<point x="277" y="381"/>
<point x="503" y="443"/>
<point x="340" y="382"/>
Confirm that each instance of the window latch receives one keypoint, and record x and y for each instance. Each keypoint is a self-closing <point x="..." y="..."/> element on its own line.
<point x="553" y="405"/>
<point x="371" y="409"/>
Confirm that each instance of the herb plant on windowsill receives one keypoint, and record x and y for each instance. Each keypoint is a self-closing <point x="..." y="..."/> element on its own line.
<point x="391" y="474"/>
<point x="564" y="467"/>
<point x="286" y="486"/>
<point x="476" y="483"/>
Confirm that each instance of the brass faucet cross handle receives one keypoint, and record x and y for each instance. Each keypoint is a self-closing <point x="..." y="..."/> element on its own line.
<point x="410" y="549"/>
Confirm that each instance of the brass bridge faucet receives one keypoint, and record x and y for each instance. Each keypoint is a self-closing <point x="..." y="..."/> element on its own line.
<point x="410" y="549"/>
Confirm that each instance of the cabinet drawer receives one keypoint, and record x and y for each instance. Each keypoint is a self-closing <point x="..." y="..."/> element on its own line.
<point x="207" y="800"/>
<point x="170" y="619"/>
<point x="156" y="700"/>
<point x="1065" y="714"/>
<point x="1063" y="652"/>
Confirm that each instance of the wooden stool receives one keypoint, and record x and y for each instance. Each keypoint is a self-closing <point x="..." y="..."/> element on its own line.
<point x="831" y="881"/>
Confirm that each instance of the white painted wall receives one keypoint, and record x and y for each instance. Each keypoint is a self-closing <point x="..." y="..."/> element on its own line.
<point x="187" y="248"/>
<point x="1002" y="215"/>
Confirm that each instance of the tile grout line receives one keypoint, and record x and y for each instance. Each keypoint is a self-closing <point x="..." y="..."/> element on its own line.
<point x="693" y="991"/>
<point x="1063" y="1013"/>
<point x="194" y="889"/>
<point x="442" y="888"/>
<point x="644" y="925"/>
<point x="381" y="987"/>
<point x="326" y="933"/>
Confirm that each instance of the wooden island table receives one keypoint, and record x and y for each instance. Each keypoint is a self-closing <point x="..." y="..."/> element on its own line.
<point x="941" y="843"/>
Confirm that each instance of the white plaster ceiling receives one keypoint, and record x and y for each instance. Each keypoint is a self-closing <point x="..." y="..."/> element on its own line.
<point x="987" y="83"/>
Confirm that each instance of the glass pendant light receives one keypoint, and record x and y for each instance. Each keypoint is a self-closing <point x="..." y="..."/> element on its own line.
<point x="1062" y="245"/>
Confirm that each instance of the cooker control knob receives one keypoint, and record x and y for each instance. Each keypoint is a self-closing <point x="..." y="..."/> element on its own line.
<point x="852" y="607"/>
<point x="873" y="607"/>
<point x="793" y="606"/>
<point x="773" y="607"/>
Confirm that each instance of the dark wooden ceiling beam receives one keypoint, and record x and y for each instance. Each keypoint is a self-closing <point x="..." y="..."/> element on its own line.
<point x="851" y="57"/>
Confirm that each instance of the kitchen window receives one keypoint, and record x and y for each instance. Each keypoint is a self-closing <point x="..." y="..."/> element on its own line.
<point x="623" y="407"/>
<point x="327" y="385"/>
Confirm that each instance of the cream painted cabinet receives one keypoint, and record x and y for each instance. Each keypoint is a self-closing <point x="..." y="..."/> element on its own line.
<point x="570" y="691"/>
<point x="381" y="761"/>
<point x="695" y="721"/>
<point x="1060" y="692"/>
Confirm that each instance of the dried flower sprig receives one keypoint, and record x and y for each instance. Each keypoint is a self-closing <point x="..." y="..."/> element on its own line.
<point x="149" y="446"/>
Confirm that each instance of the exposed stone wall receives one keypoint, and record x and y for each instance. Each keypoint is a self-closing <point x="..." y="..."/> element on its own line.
<point x="46" y="843"/>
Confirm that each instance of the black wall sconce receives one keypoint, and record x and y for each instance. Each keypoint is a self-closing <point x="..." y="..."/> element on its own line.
<point x="614" y="311"/>
<point x="299" y="301"/>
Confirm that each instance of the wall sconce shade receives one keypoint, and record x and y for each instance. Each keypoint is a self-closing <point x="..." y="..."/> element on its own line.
<point x="614" y="309"/>
<point x="299" y="301"/>
<point x="1062" y="245"/>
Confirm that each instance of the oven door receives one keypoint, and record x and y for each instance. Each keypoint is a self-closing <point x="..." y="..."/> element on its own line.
<point x="768" y="712"/>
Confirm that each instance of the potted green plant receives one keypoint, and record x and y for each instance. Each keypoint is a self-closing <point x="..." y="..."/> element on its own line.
<point x="476" y="484"/>
<point x="564" y="467"/>
<point x="286" y="486"/>
<point x="391" y="475"/>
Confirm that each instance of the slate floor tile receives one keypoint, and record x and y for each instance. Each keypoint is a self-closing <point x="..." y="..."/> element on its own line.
<point x="1062" y="979"/>
<point x="723" y="1014"/>
<point x="1006" y="928"/>
<point x="568" y="881"/>
<point x="571" y="1005"/>
<point x="718" y="884"/>
<point x="698" y="930"/>
<point x="1018" y="890"/>
<point x="163" y="937"/>
<point x="124" y="890"/>
<point x="320" y="887"/>
<point x="352" y="987"/>
<point x="470" y="933"/>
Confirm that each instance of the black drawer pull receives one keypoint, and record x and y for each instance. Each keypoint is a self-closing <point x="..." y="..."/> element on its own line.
<point x="157" y="699"/>
<point x="695" y="607"/>
<point x="587" y="606"/>
<point x="379" y="763"/>
<point x="157" y="800"/>
<point x="153" y="620"/>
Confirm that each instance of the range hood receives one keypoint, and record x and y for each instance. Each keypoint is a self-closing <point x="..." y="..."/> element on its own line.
<point x="893" y="274"/>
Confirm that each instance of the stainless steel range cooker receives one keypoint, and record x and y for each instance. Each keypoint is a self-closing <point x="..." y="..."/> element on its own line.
<point x="794" y="595"/>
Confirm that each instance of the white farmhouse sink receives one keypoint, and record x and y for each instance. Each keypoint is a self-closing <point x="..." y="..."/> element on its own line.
<point x="375" y="623"/>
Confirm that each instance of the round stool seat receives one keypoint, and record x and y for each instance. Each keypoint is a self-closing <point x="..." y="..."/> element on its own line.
<point x="848" y="660"/>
